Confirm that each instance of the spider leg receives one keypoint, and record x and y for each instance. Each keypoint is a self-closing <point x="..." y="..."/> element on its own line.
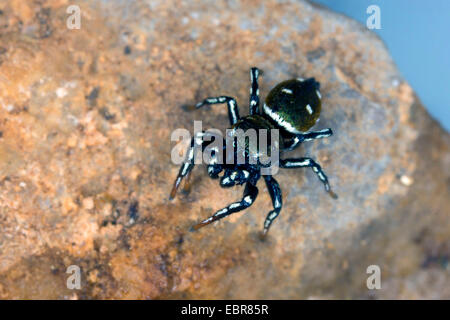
<point x="187" y="183"/>
<point x="254" y="91"/>
<point x="308" y="162"/>
<point x="234" y="176"/>
<point x="228" y="178"/>
<point x="248" y="198"/>
<point x="188" y="164"/>
<point x="325" y="133"/>
<point x="233" y="109"/>
<point x="308" y="136"/>
<point x="275" y="194"/>
<point x="214" y="168"/>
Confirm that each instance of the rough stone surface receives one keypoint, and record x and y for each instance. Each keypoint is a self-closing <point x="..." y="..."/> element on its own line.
<point x="85" y="170"/>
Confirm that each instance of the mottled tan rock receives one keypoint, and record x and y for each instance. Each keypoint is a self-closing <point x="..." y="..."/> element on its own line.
<point x="85" y="170"/>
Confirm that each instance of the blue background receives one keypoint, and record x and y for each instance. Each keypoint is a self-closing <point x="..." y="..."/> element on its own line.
<point x="417" y="33"/>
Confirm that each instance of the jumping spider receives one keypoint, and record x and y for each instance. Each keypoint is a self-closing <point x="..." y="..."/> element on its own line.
<point x="292" y="107"/>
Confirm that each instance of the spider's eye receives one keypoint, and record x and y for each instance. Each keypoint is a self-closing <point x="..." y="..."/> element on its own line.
<point x="294" y="104"/>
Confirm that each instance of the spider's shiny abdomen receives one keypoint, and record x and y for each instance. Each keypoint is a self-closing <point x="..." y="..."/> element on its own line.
<point x="294" y="104"/>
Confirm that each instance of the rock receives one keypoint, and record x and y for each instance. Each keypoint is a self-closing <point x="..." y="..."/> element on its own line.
<point x="85" y="169"/>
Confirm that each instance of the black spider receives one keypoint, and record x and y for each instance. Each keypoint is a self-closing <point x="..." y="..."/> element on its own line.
<point x="292" y="107"/>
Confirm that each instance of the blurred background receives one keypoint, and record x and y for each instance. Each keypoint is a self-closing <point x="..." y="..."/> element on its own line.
<point x="417" y="35"/>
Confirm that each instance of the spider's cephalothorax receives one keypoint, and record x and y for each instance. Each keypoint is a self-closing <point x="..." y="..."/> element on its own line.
<point x="292" y="107"/>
